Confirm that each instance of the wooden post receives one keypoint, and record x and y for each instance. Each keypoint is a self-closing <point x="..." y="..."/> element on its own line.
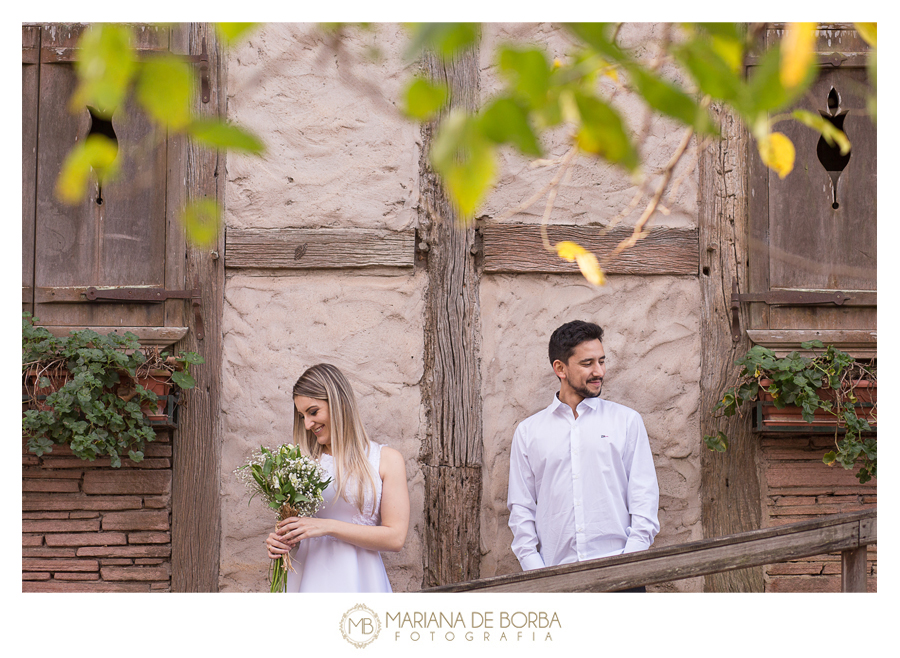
<point x="452" y="452"/>
<point x="729" y="485"/>
<point x="195" y="479"/>
<point x="853" y="570"/>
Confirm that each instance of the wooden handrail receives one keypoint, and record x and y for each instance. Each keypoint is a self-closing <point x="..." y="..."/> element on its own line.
<point x="848" y="533"/>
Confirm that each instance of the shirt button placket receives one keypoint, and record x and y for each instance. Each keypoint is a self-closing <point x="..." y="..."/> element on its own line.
<point x="578" y="490"/>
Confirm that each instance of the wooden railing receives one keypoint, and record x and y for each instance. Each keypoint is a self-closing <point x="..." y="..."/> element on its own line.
<point x="848" y="533"/>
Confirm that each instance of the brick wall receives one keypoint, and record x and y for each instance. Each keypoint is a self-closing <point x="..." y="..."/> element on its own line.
<point x="798" y="486"/>
<point x="88" y="527"/>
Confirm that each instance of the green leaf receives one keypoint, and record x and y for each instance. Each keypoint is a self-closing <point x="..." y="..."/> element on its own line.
<point x="165" y="89"/>
<point x="597" y="36"/>
<point x="444" y="39"/>
<point x="713" y="75"/>
<point x="528" y="71"/>
<point x="668" y="99"/>
<point x="602" y="132"/>
<point x="105" y="66"/>
<point x="717" y="443"/>
<point x="96" y="154"/>
<point x="827" y="129"/>
<point x="506" y="121"/>
<point x="183" y="379"/>
<point x="201" y="221"/>
<point x="424" y="99"/>
<point x="136" y="455"/>
<point x="766" y="93"/>
<point x="466" y="162"/>
<point x="216" y="133"/>
<point x="231" y="32"/>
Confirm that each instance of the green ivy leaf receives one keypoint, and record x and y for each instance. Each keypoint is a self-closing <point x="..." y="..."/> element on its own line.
<point x="216" y="133"/>
<point x="423" y="99"/>
<point x="713" y="75"/>
<point x="445" y="39"/>
<point x="466" y="162"/>
<point x="528" y="72"/>
<point x="165" y="89"/>
<point x="183" y="379"/>
<point x="96" y="154"/>
<point x="717" y="442"/>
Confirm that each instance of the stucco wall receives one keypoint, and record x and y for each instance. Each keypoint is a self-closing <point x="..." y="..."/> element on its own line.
<point x="340" y="156"/>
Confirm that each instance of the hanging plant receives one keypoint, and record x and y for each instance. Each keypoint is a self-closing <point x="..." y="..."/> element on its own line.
<point x="830" y="383"/>
<point x="92" y="391"/>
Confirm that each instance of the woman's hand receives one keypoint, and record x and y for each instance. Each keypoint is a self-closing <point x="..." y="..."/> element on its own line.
<point x="275" y="546"/>
<point x="296" y="528"/>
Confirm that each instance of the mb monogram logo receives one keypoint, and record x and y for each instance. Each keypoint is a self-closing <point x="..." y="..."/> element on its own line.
<point x="360" y="626"/>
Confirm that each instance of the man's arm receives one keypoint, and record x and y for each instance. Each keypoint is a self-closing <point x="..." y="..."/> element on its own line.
<point x="522" y="503"/>
<point x="643" y="490"/>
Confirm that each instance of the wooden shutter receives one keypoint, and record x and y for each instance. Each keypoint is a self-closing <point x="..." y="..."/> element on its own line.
<point x="118" y="236"/>
<point x="802" y="238"/>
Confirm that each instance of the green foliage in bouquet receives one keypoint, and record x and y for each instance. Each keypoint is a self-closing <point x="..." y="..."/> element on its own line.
<point x="290" y="483"/>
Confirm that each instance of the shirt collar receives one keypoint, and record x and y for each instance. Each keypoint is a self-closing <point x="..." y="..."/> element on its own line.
<point x="592" y="403"/>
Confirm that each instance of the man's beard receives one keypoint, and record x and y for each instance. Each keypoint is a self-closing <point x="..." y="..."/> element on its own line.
<point x="585" y="392"/>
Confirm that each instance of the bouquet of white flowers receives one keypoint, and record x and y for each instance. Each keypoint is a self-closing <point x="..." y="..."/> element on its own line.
<point x="290" y="483"/>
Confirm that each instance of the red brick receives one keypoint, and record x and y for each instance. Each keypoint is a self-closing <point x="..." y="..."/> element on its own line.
<point x="48" y="552"/>
<point x="56" y="525"/>
<point x="160" y="587"/>
<point x="31" y="460"/>
<point x="84" y="515"/>
<point x="28" y="575"/>
<point x="70" y="462"/>
<point x="45" y="515"/>
<point x="115" y="561"/>
<point x="815" y="510"/>
<point x="54" y="485"/>
<point x="34" y="502"/>
<point x="139" y="550"/>
<point x="138" y="520"/>
<point x="134" y="573"/>
<point x="87" y="539"/>
<point x="157" y="502"/>
<point x="96" y="586"/>
<point x="49" y="564"/>
<point x="127" y="482"/>
<point x="804" y="584"/>
<point x="44" y="473"/>
<point x="157" y="449"/>
<point x="150" y="561"/>
<point x="76" y="576"/>
<point x="795" y="568"/>
<point x="149" y="537"/>
<point x="809" y="475"/>
<point x="32" y="540"/>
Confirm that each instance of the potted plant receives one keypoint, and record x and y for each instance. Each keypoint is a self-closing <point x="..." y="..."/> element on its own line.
<point x="94" y="392"/>
<point x="828" y="389"/>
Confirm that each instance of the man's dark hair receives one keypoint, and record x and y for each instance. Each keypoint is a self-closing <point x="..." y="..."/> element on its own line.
<point x="566" y="338"/>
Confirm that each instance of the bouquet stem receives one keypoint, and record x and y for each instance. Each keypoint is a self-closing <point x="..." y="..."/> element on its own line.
<point x="280" y="567"/>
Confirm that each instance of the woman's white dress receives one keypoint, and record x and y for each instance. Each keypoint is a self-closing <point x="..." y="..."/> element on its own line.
<point x="326" y="564"/>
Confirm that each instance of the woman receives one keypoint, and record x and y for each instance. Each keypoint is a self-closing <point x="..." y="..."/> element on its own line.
<point x="366" y="507"/>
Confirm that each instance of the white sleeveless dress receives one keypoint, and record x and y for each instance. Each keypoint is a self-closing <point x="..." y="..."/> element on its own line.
<point x="326" y="564"/>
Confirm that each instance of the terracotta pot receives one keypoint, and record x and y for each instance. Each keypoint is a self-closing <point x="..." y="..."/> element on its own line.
<point x="159" y="382"/>
<point x="791" y="415"/>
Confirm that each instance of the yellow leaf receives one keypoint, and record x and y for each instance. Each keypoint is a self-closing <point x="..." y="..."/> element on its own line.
<point x="587" y="262"/>
<point x="797" y="53"/>
<point x="869" y="33"/>
<point x="777" y="152"/>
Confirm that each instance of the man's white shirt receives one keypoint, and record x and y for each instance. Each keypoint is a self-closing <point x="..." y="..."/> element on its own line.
<point x="581" y="488"/>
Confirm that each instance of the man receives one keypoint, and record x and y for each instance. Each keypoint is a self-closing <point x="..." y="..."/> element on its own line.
<point x="582" y="484"/>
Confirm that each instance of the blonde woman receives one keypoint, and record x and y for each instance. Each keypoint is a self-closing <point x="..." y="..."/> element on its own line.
<point x="366" y="507"/>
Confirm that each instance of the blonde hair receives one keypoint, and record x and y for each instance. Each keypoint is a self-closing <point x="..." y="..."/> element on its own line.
<point x="349" y="440"/>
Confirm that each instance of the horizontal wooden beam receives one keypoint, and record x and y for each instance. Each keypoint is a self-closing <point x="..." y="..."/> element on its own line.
<point x="859" y="343"/>
<point x="829" y="534"/>
<point x="519" y="248"/>
<point x="158" y="336"/>
<point x="306" y="249"/>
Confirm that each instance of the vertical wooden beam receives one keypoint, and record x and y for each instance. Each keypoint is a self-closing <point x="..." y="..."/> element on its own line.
<point x="729" y="485"/>
<point x="452" y="452"/>
<point x="196" y="522"/>
<point x="31" y="57"/>
<point x="853" y="570"/>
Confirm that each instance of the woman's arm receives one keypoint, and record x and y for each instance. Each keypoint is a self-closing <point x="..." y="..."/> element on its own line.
<point x="389" y="536"/>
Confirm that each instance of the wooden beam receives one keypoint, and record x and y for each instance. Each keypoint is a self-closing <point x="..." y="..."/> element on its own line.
<point x="302" y="249"/>
<point x="836" y="532"/>
<point x="196" y="504"/>
<point x="730" y="496"/>
<point x="520" y="248"/>
<point x="451" y="454"/>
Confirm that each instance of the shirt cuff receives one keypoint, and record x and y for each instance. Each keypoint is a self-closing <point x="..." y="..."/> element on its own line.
<point x="531" y="562"/>
<point x="633" y="545"/>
